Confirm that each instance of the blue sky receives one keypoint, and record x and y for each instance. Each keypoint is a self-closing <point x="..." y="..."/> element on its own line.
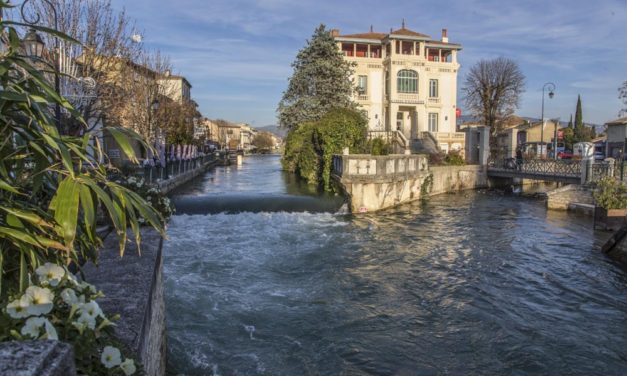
<point x="237" y="53"/>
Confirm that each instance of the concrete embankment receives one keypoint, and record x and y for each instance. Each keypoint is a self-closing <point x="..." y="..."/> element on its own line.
<point x="378" y="182"/>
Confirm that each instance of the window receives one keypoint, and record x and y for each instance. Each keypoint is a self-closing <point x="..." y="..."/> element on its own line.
<point x="433" y="88"/>
<point x="407" y="81"/>
<point x="433" y="122"/>
<point x="362" y="84"/>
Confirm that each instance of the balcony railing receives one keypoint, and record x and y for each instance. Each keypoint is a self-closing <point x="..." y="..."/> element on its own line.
<point x="434" y="100"/>
<point x="450" y="136"/>
<point x="406" y="98"/>
<point x="362" y="97"/>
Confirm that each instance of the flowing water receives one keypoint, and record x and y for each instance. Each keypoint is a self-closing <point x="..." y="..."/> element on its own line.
<point x="476" y="283"/>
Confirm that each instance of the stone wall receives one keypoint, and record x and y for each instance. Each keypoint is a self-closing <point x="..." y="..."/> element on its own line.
<point x="378" y="182"/>
<point x="448" y="179"/>
<point x="36" y="358"/>
<point x="562" y="198"/>
<point x="169" y="185"/>
<point x="133" y="288"/>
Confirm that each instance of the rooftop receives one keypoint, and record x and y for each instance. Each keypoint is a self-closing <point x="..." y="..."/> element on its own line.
<point x="620" y="121"/>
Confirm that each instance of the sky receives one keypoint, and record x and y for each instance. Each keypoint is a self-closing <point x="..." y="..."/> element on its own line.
<point x="237" y="53"/>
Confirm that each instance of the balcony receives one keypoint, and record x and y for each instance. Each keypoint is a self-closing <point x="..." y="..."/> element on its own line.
<point x="363" y="98"/>
<point x="406" y="98"/>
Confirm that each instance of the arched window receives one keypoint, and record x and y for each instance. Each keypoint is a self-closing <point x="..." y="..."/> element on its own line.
<point x="407" y="81"/>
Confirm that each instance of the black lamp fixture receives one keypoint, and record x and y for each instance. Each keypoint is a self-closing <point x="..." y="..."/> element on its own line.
<point x="33" y="45"/>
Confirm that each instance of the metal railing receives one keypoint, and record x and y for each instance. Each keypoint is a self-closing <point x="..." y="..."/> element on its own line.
<point x="157" y="173"/>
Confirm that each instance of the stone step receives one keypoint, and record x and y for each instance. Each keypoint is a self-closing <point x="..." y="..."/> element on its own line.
<point x="585" y="209"/>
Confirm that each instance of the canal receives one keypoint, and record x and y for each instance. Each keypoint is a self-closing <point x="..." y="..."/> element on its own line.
<point x="264" y="278"/>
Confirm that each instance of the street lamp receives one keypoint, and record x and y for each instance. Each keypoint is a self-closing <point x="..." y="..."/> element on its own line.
<point x="34" y="48"/>
<point x="551" y="87"/>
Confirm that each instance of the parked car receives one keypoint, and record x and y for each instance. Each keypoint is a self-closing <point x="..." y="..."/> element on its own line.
<point x="565" y="155"/>
<point x="599" y="156"/>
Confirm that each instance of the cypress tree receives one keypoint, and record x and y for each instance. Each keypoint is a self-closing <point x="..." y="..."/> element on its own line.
<point x="321" y="81"/>
<point x="570" y="123"/>
<point x="579" y="128"/>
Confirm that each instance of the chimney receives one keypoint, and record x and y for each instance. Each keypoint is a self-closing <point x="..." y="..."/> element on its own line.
<point x="444" y="35"/>
<point x="335" y="33"/>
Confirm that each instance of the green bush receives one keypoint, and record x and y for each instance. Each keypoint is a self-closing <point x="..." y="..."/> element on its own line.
<point x="454" y="158"/>
<point x="310" y="147"/>
<point x="377" y="146"/>
<point x="610" y="193"/>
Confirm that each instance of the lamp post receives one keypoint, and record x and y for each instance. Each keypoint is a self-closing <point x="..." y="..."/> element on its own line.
<point x="34" y="47"/>
<point x="551" y="87"/>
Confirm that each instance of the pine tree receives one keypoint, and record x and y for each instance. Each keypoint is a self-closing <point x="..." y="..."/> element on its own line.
<point x="321" y="81"/>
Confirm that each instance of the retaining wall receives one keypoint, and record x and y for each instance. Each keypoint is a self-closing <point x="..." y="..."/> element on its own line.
<point x="562" y="198"/>
<point x="169" y="185"/>
<point x="448" y="179"/>
<point x="133" y="288"/>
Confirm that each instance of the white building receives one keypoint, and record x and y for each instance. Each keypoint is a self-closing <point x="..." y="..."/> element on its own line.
<point x="407" y="82"/>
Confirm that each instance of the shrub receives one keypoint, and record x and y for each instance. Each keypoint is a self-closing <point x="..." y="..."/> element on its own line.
<point x="454" y="158"/>
<point x="310" y="147"/>
<point x="611" y="193"/>
<point x="377" y="146"/>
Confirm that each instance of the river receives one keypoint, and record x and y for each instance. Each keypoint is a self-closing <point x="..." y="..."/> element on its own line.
<point x="476" y="283"/>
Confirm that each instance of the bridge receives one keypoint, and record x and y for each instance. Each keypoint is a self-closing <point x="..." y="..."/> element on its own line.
<point x="562" y="171"/>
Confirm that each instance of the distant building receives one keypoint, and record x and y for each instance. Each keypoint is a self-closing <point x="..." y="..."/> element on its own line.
<point x="616" y="137"/>
<point x="407" y="81"/>
<point x="175" y="87"/>
<point x="517" y="132"/>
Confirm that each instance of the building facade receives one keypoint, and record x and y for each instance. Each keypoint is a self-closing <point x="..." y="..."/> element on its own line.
<point x="406" y="82"/>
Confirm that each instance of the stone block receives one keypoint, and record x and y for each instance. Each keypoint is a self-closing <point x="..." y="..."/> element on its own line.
<point x="37" y="358"/>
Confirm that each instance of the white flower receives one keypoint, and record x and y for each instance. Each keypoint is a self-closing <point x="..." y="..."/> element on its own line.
<point x="69" y="297"/>
<point x="91" y="309"/>
<point x="111" y="357"/>
<point x="131" y="179"/>
<point x="17" y="309"/>
<point x="51" y="332"/>
<point x="128" y="366"/>
<point x="148" y="198"/>
<point x="85" y="321"/>
<point x="50" y="273"/>
<point x="39" y="300"/>
<point x="33" y="326"/>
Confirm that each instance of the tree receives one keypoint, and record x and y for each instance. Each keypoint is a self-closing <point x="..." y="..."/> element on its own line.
<point x="310" y="147"/>
<point x="107" y="37"/>
<point x="570" y="122"/>
<point x="492" y="91"/>
<point x="321" y="81"/>
<point x="582" y="133"/>
<point x="263" y="141"/>
<point x="622" y="95"/>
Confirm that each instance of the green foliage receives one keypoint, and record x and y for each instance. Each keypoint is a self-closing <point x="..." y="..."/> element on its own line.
<point x="152" y="194"/>
<point x="611" y="193"/>
<point x="321" y="81"/>
<point x="52" y="185"/>
<point x="378" y="146"/>
<point x="310" y="147"/>
<point x="578" y="114"/>
<point x="454" y="158"/>
<point x="569" y="137"/>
